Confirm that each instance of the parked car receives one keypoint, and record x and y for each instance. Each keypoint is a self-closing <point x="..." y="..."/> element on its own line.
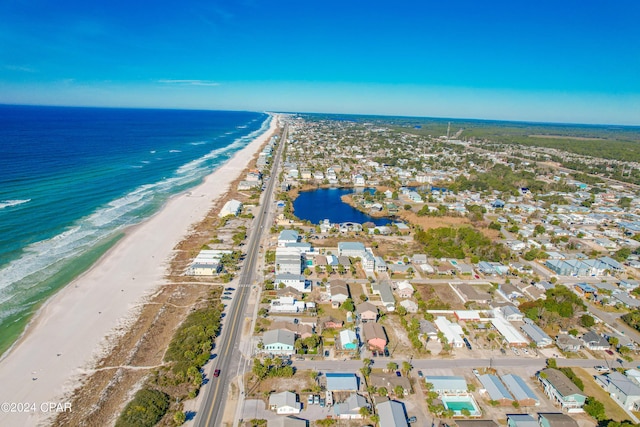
<point x="322" y="402"/>
<point x="609" y="352"/>
<point x="420" y="374"/>
<point x="601" y="368"/>
<point x="412" y="420"/>
<point x="476" y="373"/>
<point x="316" y="399"/>
<point x="398" y="374"/>
<point x="386" y="352"/>
<point x="310" y="399"/>
<point x="226" y="297"/>
<point x="229" y="289"/>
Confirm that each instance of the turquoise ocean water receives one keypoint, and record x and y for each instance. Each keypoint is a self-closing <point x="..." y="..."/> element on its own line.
<point x="72" y="179"/>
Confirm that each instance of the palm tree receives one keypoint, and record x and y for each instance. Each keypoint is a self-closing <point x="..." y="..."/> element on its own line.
<point x="406" y="367"/>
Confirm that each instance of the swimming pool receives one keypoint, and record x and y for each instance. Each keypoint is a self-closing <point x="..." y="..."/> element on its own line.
<point x="459" y="403"/>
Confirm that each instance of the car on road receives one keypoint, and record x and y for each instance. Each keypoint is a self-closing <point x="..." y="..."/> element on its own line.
<point x="216" y="373"/>
<point x="601" y="368"/>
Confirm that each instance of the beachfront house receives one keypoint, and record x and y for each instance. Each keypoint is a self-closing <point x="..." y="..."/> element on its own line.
<point x="232" y="207"/>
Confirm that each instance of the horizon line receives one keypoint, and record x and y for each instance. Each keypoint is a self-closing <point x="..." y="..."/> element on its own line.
<point x="524" y="121"/>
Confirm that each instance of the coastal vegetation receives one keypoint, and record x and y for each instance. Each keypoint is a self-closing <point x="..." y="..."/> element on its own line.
<point x="560" y="308"/>
<point x="145" y="410"/>
<point x="459" y="243"/>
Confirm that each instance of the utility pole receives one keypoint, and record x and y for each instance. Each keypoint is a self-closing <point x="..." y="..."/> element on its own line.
<point x="448" y="130"/>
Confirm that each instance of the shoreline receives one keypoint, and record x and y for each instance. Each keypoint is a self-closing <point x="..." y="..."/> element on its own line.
<point x="78" y="325"/>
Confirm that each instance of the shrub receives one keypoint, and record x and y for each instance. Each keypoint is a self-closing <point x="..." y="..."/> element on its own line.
<point x="146" y="409"/>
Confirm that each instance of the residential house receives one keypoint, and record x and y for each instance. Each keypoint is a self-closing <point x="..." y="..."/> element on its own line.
<point x="446" y="385"/>
<point x="521" y="392"/>
<point x="348" y="340"/>
<point x="536" y="334"/>
<point x="330" y="323"/>
<point x="374" y="336"/>
<point x="288" y="421"/>
<point x="496" y="390"/>
<point x="296" y="281"/>
<point x="301" y="330"/>
<point x="351" y="249"/>
<point x="350" y="408"/>
<point x="521" y="420"/>
<point x="339" y="381"/>
<point x="390" y="381"/>
<point x="285" y="403"/>
<point x="621" y="388"/>
<point x="556" y="420"/>
<point x="392" y="414"/>
<point x="278" y="342"/>
<point x="287" y="236"/>
<point x="594" y="341"/>
<point x="452" y="331"/>
<point x="286" y="305"/>
<point x="338" y="292"/>
<point x="512" y="313"/>
<point x="386" y="295"/>
<point x="232" y="207"/>
<point x="568" y="343"/>
<point x="405" y="289"/>
<point x="367" y="312"/>
<point x="561" y="390"/>
<point x="409" y="305"/>
<point x="428" y="330"/>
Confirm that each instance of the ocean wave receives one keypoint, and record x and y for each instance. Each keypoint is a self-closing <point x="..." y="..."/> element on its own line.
<point x="43" y="259"/>
<point x="175" y="151"/>
<point x="198" y="143"/>
<point x="9" y="203"/>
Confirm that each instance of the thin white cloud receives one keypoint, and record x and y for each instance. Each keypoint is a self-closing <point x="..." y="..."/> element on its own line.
<point x="20" y="68"/>
<point x="189" y="82"/>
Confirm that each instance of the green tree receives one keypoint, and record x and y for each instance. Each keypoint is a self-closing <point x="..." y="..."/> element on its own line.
<point x="595" y="408"/>
<point x="392" y="366"/>
<point x="179" y="418"/>
<point x="587" y="321"/>
<point x="348" y="305"/>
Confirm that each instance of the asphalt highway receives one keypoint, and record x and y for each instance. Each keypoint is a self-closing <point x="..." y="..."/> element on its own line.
<point x="226" y="349"/>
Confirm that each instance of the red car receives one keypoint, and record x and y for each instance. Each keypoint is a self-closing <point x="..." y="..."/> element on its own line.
<point x="216" y="373"/>
<point x="609" y="352"/>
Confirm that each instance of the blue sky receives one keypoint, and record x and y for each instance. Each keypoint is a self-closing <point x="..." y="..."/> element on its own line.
<point x="560" y="61"/>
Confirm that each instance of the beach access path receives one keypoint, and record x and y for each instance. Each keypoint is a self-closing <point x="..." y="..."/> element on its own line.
<point x="72" y="330"/>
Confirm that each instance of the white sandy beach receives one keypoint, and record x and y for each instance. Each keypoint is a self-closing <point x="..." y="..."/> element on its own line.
<point x="69" y="333"/>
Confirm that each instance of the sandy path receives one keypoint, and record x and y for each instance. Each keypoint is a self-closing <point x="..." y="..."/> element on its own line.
<point x="70" y="331"/>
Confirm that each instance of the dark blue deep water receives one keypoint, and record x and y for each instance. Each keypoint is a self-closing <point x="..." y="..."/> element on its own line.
<point x="71" y="179"/>
<point x="325" y="203"/>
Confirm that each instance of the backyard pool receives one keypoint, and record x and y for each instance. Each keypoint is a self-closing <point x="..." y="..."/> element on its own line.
<point x="459" y="403"/>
